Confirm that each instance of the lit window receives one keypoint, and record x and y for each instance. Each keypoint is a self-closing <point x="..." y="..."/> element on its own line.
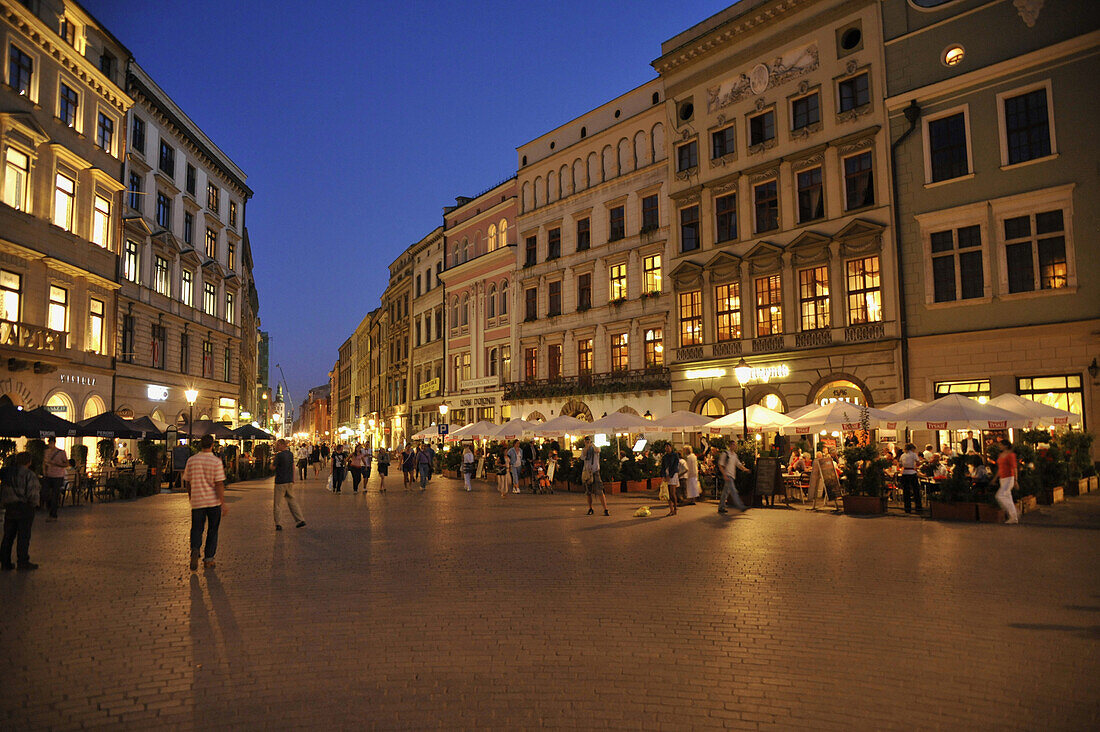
<point x="492" y="237"/>
<point x="769" y="306"/>
<point x="58" y="316"/>
<point x="64" y="196"/>
<point x="727" y="310"/>
<point x="230" y="255"/>
<point x="17" y="170"/>
<point x="96" y="312"/>
<point x="231" y="308"/>
<point x="617" y="282"/>
<point x="211" y="244"/>
<point x="530" y="364"/>
<point x="161" y="281"/>
<point x="232" y="213"/>
<point x="954" y="55"/>
<point x="864" y="291"/>
<point x="11" y="295"/>
<point x="691" y="318"/>
<point x="654" y="348"/>
<point x="503" y="232"/>
<point x="101" y="222"/>
<point x="212" y="197"/>
<point x="1036" y="244"/>
<point x="187" y="287"/>
<point x="813" y="297"/>
<point x="620" y="352"/>
<point x="585" y="356"/>
<point x="209" y="299"/>
<point x="130" y="260"/>
<point x="1060" y="392"/>
<point x="651" y="269"/>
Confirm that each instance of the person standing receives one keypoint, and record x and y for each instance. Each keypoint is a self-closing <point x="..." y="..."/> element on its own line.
<point x="19" y="492"/>
<point x="303" y="461"/>
<point x="284" y="484"/>
<point x="910" y="484"/>
<point x="324" y="455"/>
<point x="54" y="465"/>
<point x="527" y="470"/>
<point x="1007" y="466"/>
<point x="515" y="464"/>
<point x="691" y="487"/>
<point x="468" y="466"/>
<point x="383" y="468"/>
<point x="315" y="460"/>
<point x="355" y="467"/>
<point x="368" y="456"/>
<point x="670" y="463"/>
<point x="970" y="443"/>
<point x="728" y="465"/>
<point x="408" y="465"/>
<point x="590" y="475"/>
<point x="204" y="477"/>
<point x="424" y="465"/>
<point x="339" y="467"/>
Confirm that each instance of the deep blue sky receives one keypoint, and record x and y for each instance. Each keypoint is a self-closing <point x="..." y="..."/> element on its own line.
<point x="356" y="122"/>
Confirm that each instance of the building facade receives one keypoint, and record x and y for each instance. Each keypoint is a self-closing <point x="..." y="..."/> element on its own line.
<point x="395" y="338"/>
<point x="783" y="247"/>
<point x="593" y="245"/>
<point x="62" y="138"/>
<point x="426" y="380"/>
<point x="479" y="272"/>
<point x="993" y="114"/>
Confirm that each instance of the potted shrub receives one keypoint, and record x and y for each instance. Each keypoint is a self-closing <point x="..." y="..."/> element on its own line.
<point x="452" y="461"/>
<point x="990" y="513"/>
<point x="633" y="480"/>
<point x="1076" y="448"/>
<point x="955" y="499"/>
<point x="105" y="450"/>
<point x="864" y="469"/>
<point x="7" y="447"/>
<point x="1027" y="479"/>
<point x="610" y="470"/>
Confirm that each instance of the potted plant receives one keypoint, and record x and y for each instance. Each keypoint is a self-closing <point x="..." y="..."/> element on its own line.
<point x="954" y="499"/>
<point x="610" y="469"/>
<point x="1076" y="447"/>
<point x="1027" y="479"/>
<point x="864" y="470"/>
<point x="7" y="447"/>
<point x="633" y="480"/>
<point x="452" y="460"/>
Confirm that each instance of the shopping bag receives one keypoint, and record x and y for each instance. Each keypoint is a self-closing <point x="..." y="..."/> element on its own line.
<point x="663" y="495"/>
<point x="642" y="512"/>
<point x="328" y="486"/>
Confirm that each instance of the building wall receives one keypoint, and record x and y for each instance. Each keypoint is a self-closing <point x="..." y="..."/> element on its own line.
<point x="425" y="392"/>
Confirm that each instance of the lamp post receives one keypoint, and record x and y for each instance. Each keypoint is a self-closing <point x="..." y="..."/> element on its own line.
<point x="276" y="418"/>
<point x="743" y="372"/>
<point x="443" y="409"/>
<point x="191" y="395"/>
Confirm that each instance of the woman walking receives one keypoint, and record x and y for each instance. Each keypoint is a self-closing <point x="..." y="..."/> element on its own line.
<point x="383" y="456"/>
<point x="467" y="466"/>
<point x="315" y="460"/>
<point x="355" y="466"/>
<point x="408" y="466"/>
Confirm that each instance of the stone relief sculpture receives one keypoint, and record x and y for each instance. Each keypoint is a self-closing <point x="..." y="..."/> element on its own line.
<point x="784" y="68"/>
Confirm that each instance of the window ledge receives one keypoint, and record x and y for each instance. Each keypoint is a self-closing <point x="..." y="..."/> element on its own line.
<point x="958" y="303"/>
<point x="939" y="183"/>
<point x="1032" y="294"/>
<point x="1033" y="161"/>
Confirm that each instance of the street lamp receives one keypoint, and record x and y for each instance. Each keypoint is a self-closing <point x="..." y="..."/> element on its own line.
<point x="191" y="395"/>
<point x="743" y="372"/>
<point x="443" y="409"/>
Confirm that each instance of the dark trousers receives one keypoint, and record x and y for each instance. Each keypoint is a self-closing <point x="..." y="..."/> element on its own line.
<point x="337" y="478"/>
<point x="51" y="494"/>
<point x="18" y="519"/>
<point x="356" y="476"/>
<point x="910" y="490"/>
<point x="302" y="468"/>
<point x="211" y="516"/>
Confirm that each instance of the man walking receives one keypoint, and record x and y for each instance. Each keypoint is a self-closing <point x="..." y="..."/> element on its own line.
<point x="19" y="491"/>
<point x="284" y="484"/>
<point x="590" y="475"/>
<point x="1006" y="472"/>
<point x="728" y="465"/>
<point x="339" y="467"/>
<point x="204" y="477"/>
<point x="54" y="464"/>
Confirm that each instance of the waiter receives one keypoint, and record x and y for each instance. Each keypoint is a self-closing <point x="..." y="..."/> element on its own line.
<point x="970" y="443"/>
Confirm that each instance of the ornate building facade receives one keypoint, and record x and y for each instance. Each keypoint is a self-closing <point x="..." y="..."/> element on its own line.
<point x="426" y="379"/>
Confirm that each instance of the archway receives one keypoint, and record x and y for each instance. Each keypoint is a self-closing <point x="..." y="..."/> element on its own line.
<point x="709" y="404"/>
<point x="576" y="409"/>
<point x="773" y="400"/>
<point x="629" y="410"/>
<point x="841" y="388"/>
<point x="59" y="404"/>
<point x="535" y="417"/>
<point x="93" y="407"/>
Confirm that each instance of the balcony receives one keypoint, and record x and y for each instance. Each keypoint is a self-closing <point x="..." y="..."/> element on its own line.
<point x="616" y="382"/>
<point x="804" y="340"/>
<point x="32" y="337"/>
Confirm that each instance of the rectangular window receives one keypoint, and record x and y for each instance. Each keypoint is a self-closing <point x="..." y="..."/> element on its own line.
<point x="766" y="204"/>
<point x="530" y="364"/>
<point x="553" y="243"/>
<point x="188" y="228"/>
<point x="190" y="179"/>
<point x="162" y="282"/>
<point x="811" y="201"/>
<point x="187" y="287"/>
<point x="63" y="199"/>
<point x="131" y="261"/>
<point x="227" y="373"/>
<point x="859" y="186"/>
<point x="1061" y="392"/>
<point x="211" y="244"/>
<point x="137" y="135"/>
<point x="554" y="295"/>
<point x="506" y="361"/>
<point x="947" y="147"/>
<point x="1027" y="126"/>
<point x="101" y="222"/>
<point x="17" y="171"/>
<point x="209" y="298"/>
<point x="232" y="213"/>
<point x="104" y="132"/>
<point x="864" y="291"/>
<point x="231" y="308"/>
<point x="957" y="264"/>
<point x="531" y="303"/>
<point x="67" y="30"/>
<point x="651" y="273"/>
<point x="805" y="111"/>
<point x="212" y="197"/>
<point x="159" y="346"/>
<point x="553" y="361"/>
<point x="96" y="312"/>
<point x="230" y="255"/>
<point x="854" y="92"/>
<point x="531" y="249"/>
<point x="585" y="356"/>
<point x="813" y="298"/>
<point x="620" y="352"/>
<point x="167" y="162"/>
<point x="616" y="279"/>
<point x="207" y="360"/>
<point x="185" y="353"/>
<point x="136" y="186"/>
<point x="107" y="65"/>
<point x="584" y="234"/>
<point x="127" y="339"/>
<point x="687" y="156"/>
<point x="689" y="229"/>
<point x="1042" y="252"/>
<point x="725" y="214"/>
<point x="164" y="211"/>
<point x="11" y="296"/>
<point x="651" y="213"/>
<point x="691" y="318"/>
<point x="727" y="311"/>
<point x="57" y="317"/>
<point x="616" y="223"/>
<point x="68" y="105"/>
<point x="769" y="306"/>
<point x="654" y="348"/>
<point x="20" y="71"/>
<point x="762" y="128"/>
<point x="722" y="142"/>
<point x="584" y="291"/>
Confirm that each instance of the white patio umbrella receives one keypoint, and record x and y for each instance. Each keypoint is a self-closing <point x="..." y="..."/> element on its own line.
<point x="471" y="431"/>
<point x="616" y="422"/>
<point x="679" y="421"/>
<point x="513" y="429"/>
<point x="560" y="425"/>
<point x="958" y="412"/>
<point x="799" y="411"/>
<point x="842" y="416"/>
<point x="1042" y="414"/>
<point x="904" y="407"/>
<point x="760" y="419"/>
<point x="428" y="433"/>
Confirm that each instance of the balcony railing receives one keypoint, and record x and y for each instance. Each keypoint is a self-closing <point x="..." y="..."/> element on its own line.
<point x="822" y="338"/>
<point x="32" y="337"/>
<point x="616" y="382"/>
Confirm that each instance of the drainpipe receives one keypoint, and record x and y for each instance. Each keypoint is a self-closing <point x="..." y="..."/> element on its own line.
<point x="912" y="113"/>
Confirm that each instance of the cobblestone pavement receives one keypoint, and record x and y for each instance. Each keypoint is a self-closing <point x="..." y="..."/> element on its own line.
<point x="461" y="610"/>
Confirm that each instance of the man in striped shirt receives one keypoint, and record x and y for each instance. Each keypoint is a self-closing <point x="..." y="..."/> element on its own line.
<point x="204" y="477"/>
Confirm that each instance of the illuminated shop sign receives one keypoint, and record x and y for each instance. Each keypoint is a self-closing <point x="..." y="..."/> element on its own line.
<point x="156" y="393"/>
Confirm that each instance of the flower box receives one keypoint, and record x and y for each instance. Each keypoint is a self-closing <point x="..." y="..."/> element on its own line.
<point x="864" y="505"/>
<point x="1094" y="483"/>
<point x="1026" y="504"/>
<point x="635" y="486"/>
<point x="963" y="511"/>
<point x="612" y="486"/>
<point x="1073" y="487"/>
<point x="1050" y="496"/>
<point x="988" y="514"/>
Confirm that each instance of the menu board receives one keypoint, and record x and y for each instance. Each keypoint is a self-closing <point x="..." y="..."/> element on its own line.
<point x="767" y="476"/>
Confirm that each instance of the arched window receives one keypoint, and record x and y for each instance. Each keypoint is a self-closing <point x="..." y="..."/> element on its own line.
<point x="491" y="301"/>
<point x="504" y="232"/>
<point x="492" y="362"/>
<point x="465" y="309"/>
<point x="454" y="314"/>
<point x="475" y="250"/>
<point x="504" y="297"/>
<point x="465" y="250"/>
<point x="492" y="237"/>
